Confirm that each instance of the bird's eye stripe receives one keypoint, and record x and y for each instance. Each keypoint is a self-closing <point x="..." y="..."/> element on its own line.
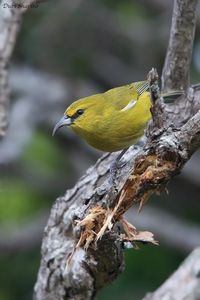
<point x="77" y="113"/>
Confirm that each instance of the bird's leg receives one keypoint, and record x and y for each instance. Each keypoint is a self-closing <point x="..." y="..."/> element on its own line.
<point x="115" y="165"/>
<point x="109" y="185"/>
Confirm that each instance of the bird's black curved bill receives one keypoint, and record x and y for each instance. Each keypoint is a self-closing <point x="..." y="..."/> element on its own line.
<point x="64" y="121"/>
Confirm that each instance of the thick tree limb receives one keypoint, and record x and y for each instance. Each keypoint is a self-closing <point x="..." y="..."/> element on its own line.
<point x="187" y="106"/>
<point x="175" y="75"/>
<point x="177" y="63"/>
<point x="89" y="212"/>
<point x="52" y="269"/>
<point x="184" y="283"/>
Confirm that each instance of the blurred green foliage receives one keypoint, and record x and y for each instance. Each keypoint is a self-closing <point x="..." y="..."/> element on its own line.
<point x="18" y="274"/>
<point x="43" y="155"/>
<point x="17" y="201"/>
<point x="147" y="267"/>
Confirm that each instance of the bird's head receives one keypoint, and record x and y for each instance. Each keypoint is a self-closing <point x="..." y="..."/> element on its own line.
<point x="78" y="113"/>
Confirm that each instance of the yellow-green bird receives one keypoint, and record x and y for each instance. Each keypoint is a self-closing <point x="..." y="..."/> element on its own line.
<point x="113" y="120"/>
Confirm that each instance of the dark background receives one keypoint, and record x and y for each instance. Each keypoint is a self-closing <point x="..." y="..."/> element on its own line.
<point x="66" y="50"/>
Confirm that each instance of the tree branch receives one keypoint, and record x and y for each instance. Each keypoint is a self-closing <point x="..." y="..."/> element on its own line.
<point x="177" y="63"/>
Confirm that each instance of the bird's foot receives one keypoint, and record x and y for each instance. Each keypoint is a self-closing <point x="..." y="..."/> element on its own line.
<point x="107" y="193"/>
<point x="114" y="167"/>
<point x="110" y="186"/>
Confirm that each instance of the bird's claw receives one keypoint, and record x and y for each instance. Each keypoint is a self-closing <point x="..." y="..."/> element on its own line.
<point x="115" y="166"/>
<point x="109" y="187"/>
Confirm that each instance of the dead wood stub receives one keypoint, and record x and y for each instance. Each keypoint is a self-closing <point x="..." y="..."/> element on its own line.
<point x="150" y="175"/>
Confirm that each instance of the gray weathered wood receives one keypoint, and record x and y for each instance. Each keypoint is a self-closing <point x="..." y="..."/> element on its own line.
<point x="177" y="63"/>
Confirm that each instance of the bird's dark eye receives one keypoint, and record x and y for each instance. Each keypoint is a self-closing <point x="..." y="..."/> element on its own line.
<point x="80" y="111"/>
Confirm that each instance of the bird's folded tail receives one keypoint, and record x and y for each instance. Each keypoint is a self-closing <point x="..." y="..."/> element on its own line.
<point x="141" y="87"/>
<point x="170" y="97"/>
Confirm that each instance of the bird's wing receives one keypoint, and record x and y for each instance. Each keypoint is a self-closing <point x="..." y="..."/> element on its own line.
<point x="129" y="105"/>
<point x="139" y="88"/>
<point x="171" y="96"/>
<point x="125" y="97"/>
